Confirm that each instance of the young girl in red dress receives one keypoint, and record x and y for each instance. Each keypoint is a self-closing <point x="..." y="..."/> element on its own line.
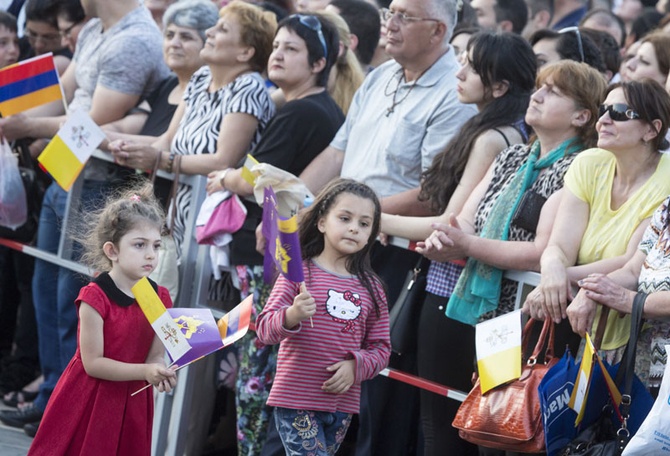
<point x="321" y="366"/>
<point x="91" y="411"/>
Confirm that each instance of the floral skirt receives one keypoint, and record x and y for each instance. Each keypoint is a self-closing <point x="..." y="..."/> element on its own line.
<point x="255" y="371"/>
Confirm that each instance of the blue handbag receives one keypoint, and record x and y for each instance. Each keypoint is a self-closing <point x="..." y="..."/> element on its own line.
<point x="557" y="418"/>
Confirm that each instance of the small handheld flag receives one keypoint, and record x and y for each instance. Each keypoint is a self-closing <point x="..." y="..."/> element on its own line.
<point x="199" y="328"/>
<point x="70" y="149"/>
<point x="165" y="327"/>
<point x="28" y="84"/>
<point x="581" y="390"/>
<point x="247" y="174"/>
<point x="282" y="251"/>
<point x="235" y="324"/>
<point x="498" y="343"/>
<point x="206" y="337"/>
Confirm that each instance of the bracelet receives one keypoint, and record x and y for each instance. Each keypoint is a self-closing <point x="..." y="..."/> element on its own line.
<point x="170" y="162"/>
<point x="222" y="179"/>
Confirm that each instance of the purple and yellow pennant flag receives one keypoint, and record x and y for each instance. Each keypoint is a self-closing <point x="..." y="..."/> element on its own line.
<point x="199" y="328"/>
<point x="67" y="153"/>
<point x="282" y="250"/>
<point x="28" y="84"/>
<point x="165" y="327"/>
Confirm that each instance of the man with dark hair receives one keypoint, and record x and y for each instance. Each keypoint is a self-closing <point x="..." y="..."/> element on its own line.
<point x="606" y="21"/>
<point x="540" y="13"/>
<point x="567" y="13"/>
<point x="364" y="24"/>
<point x="501" y="15"/>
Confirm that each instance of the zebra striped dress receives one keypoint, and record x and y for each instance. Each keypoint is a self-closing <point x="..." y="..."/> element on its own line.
<point x="198" y="131"/>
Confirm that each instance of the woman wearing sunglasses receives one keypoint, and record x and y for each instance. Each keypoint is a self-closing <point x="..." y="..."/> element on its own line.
<point x="304" y="51"/>
<point x="562" y="112"/>
<point x="610" y="195"/>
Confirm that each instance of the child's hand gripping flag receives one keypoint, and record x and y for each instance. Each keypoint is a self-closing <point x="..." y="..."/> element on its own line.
<point x="498" y="343"/>
<point x="70" y="149"/>
<point x="28" y="84"/>
<point x="204" y="335"/>
<point x="282" y="250"/>
<point x="165" y="327"/>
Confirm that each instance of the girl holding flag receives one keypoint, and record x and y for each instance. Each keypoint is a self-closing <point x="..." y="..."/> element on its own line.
<point x="319" y="370"/>
<point x="91" y="410"/>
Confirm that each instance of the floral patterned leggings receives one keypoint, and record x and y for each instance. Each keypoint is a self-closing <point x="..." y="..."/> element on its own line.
<point x="311" y="433"/>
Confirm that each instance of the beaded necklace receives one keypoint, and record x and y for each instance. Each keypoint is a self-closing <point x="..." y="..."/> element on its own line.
<point x="394" y="93"/>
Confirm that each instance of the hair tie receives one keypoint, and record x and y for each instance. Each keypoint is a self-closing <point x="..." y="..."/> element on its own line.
<point x="135" y="197"/>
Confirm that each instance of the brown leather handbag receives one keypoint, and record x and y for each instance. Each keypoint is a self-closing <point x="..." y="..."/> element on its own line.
<point x="508" y="417"/>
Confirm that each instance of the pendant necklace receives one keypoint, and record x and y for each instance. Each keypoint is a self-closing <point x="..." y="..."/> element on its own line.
<point x="394" y="94"/>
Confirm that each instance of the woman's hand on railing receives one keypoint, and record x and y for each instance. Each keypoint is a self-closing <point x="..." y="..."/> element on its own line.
<point x="581" y="313"/>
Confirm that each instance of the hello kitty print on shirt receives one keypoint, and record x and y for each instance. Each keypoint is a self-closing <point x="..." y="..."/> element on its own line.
<point x="344" y="308"/>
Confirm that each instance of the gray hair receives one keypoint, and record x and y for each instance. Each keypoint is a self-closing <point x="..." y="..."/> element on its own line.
<point x="446" y="11"/>
<point x="196" y="14"/>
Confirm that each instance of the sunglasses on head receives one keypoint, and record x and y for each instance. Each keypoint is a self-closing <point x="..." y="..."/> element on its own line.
<point x="313" y="23"/>
<point x="619" y="112"/>
<point x="580" y="44"/>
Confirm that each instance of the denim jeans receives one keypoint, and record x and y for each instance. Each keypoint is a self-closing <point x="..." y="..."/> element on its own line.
<point x="55" y="288"/>
<point x="310" y="433"/>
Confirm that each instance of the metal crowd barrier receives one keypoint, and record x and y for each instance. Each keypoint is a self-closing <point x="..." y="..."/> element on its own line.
<point x="173" y="410"/>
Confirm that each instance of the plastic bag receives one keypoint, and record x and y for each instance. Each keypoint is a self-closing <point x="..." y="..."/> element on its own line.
<point x="13" y="203"/>
<point x="653" y="437"/>
<point x="557" y="418"/>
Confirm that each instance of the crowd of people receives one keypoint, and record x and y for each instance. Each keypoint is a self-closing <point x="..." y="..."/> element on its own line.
<point x="497" y="134"/>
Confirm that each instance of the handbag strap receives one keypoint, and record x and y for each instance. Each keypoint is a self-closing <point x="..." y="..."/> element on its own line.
<point x="154" y="170"/>
<point x="602" y="324"/>
<point x="547" y="331"/>
<point x="627" y="366"/>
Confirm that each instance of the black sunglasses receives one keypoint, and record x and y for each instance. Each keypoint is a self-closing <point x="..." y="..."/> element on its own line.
<point x="313" y="23"/>
<point x="619" y="112"/>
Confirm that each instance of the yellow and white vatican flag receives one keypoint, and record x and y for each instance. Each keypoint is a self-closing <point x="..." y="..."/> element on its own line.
<point x="581" y="390"/>
<point x="498" y="343"/>
<point x="70" y="149"/>
<point x="247" y="173"/>
<point x="164" y="325"/>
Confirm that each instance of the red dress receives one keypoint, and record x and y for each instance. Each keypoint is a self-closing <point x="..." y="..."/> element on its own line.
<point x="90" y="416"/>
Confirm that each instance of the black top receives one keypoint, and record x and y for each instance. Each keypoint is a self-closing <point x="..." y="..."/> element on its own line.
<point x="299" y="132"/>
<point x="161" y="110"/>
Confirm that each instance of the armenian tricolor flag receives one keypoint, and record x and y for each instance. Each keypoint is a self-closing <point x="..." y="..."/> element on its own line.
<point x="27" y="84"/>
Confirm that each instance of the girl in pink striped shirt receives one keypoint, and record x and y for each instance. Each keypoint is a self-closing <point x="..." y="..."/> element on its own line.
<point x="321" y="366"/>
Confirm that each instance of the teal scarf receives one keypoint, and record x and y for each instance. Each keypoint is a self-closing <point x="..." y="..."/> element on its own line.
<point x="478" y="289"/>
